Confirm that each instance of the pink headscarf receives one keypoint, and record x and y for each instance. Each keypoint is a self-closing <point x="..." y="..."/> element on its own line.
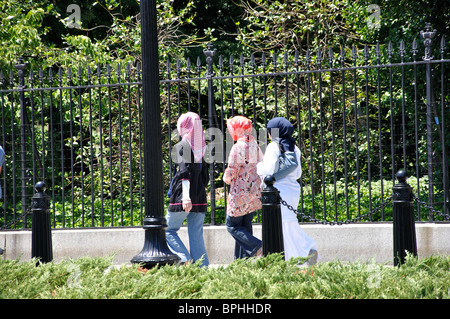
<point x="190" y="128"/>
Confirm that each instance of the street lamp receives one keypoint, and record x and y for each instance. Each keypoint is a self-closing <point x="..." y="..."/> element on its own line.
<point x="155" y="250"/>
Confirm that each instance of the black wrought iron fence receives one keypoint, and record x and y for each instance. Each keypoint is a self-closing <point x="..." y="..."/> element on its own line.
<point x="360" y="113"/>
<point x="80" y="132"/>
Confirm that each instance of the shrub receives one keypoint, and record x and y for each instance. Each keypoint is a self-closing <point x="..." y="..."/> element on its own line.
<point x="268" y="277"/>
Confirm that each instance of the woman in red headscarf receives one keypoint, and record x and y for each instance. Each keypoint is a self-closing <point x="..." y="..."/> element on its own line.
<point x="245" y="193"/>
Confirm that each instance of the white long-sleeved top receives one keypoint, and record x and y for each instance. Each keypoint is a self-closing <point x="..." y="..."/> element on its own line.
<point x="288" y="186"/>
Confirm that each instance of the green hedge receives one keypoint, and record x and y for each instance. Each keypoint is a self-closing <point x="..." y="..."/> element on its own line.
<point x="268" y="277"/>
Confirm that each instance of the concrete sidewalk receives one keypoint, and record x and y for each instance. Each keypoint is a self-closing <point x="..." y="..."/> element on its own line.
<point x="345" y="243"/>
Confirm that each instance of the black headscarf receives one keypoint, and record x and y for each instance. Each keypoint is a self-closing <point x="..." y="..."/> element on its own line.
<point x="285" y="130"/>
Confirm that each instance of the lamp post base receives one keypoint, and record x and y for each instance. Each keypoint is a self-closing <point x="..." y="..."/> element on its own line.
<point x="155" y="251"/>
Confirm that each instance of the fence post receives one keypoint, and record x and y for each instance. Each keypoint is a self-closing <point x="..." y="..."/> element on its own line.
<point x="403" y="219"/>
<point x="428" y="34"/>
<point x="272" y="231"/>
<point x="210" y="53"/>
<point x="41" y="233"/>
<point x="21" y="67"/>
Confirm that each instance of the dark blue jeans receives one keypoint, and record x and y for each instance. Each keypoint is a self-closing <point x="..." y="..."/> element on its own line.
<point x="241" y="229"/>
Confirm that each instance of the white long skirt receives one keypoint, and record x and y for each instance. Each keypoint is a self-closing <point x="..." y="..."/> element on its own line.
<point x="297" y="243"/>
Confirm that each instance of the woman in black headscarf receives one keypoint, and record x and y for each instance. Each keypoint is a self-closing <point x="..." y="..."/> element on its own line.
<point x="296" y="242"/>
<point x="281" y="130"/>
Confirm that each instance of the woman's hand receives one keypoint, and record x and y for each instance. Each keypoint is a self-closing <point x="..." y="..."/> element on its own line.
<point x="187" y="205"/>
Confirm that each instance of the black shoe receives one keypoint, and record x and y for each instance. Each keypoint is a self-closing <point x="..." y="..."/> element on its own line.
<point x="313" y="254"/>
<point x="1" y="251"/>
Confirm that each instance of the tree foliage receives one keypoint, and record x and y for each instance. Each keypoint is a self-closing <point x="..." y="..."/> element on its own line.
<point x="108" y="32"/>
<point x="110" y="29"/>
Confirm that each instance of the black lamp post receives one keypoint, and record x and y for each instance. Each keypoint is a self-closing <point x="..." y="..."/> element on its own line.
<point x="155" y="249"/>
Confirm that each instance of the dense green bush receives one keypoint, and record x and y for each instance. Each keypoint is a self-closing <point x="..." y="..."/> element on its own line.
<point x="266" y="278"/>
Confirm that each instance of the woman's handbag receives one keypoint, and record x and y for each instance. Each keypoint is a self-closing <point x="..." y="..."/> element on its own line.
<point x="287" y="163"/>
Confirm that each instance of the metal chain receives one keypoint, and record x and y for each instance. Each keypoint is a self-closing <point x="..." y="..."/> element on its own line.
<point x="339" y="223"/>
<point x="18" y="219"/>
<point x="369" y="214"/>
<point x="431" y="208"/>
<point x="30" y="175"/>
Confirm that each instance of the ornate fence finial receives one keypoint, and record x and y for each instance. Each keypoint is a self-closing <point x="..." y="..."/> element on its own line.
<point x="428" y="36"/>
<point x="210" y="53"/>
<point x="21" y="67"/>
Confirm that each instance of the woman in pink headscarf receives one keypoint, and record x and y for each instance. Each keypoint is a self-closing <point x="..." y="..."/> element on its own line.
<point x="244" y="197"/>
<point x="187" y="194"/>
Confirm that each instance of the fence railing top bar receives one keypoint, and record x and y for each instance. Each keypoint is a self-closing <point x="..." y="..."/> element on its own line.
<point x="234" y="76"/>
<point x="320" y="70"/>
<point x="322" y="64"/>
<point x="86" y="75"/>
<point x="75" y="87"/>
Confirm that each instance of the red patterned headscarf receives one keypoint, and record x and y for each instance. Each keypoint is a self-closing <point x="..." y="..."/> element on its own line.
<point x="239" y="126"/>
<point x="190" y="128"/>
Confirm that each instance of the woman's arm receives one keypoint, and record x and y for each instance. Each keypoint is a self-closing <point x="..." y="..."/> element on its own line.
<point x="270" y="160"/>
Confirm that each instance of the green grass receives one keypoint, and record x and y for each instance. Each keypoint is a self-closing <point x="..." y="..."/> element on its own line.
<point x="269" y="277"/>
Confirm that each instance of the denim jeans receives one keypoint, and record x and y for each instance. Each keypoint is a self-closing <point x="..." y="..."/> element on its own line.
<point x="241" y="229"/>
<point x="195" y="233"/>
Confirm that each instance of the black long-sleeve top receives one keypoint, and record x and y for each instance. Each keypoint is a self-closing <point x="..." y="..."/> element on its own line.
<point x="196" y="173"/>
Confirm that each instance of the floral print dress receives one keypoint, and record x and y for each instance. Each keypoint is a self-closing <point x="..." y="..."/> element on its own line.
<point x="242" y="176"/>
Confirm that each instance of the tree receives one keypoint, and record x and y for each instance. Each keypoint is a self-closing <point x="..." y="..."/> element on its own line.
<point x="298" y="25"/>
<point x="108" y="32"/>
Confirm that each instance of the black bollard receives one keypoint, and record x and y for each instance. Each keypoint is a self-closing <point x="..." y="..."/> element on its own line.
<point x="41" y="233"/>
<point x="272" y="231"/>
<point x="403" y="220"/>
